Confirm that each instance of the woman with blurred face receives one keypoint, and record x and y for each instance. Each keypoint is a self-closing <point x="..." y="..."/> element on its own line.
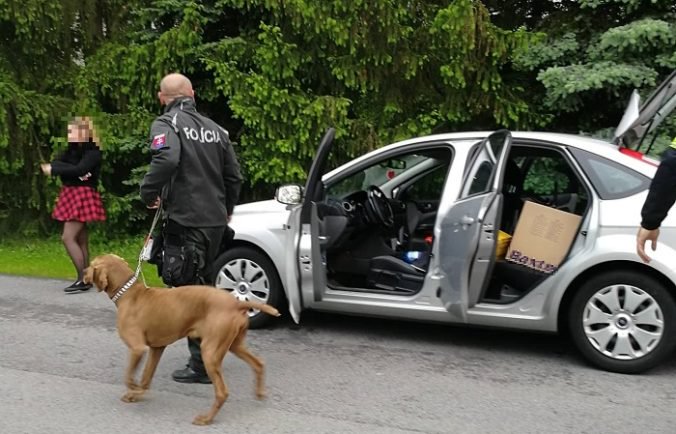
<point x="79" y="201"/>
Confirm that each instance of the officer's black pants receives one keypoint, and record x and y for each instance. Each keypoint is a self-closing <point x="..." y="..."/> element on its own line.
<point x="207" y="242"/>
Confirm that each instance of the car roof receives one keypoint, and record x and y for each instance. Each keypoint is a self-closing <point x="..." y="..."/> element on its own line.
<point x="645" y="166"/>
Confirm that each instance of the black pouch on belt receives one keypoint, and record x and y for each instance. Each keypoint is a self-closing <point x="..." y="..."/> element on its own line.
<point x="180" y="259"/>
<point x="156" y="252"/>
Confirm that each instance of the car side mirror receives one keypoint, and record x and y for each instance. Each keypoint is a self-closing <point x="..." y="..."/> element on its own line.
<point x="289" y="194"/>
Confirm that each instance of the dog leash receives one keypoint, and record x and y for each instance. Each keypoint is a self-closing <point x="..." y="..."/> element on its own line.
<point x="147" y="247"/>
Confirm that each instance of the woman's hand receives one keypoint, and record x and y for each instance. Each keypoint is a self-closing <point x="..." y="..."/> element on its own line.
<point x="46" y="168"/>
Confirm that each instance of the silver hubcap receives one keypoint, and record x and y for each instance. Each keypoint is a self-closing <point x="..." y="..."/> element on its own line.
<point x="623" y="322"/>
<point x="246" y="280"/>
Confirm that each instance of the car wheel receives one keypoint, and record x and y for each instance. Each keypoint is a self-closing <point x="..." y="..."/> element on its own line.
<point x="623" y="321"/>
<point x="250" y="276"/>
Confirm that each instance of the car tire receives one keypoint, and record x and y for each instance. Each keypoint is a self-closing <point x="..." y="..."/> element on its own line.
<point x="623" y="321"/>
<point x="249" y="275"/>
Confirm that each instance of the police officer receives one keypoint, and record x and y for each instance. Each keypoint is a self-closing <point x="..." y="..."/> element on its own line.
<point x="661" y="198"/>
<point x="195" y="176"/>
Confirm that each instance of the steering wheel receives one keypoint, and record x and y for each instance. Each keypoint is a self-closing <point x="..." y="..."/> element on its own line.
<point x="379" y="207"/>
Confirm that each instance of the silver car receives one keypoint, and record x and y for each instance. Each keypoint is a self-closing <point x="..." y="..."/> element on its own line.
<point x="410" y="231"/>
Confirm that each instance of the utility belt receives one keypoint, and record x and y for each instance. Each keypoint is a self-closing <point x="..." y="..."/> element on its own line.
<point x="177" y="260"/>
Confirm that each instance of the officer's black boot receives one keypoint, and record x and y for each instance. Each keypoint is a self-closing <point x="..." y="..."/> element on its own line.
<point x="194" y="372"/>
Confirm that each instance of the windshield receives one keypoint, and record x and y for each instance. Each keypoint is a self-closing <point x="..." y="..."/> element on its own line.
<point x="376" y="174"/>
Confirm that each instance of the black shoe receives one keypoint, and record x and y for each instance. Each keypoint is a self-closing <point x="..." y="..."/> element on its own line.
<point x="77" y="286"/>
<point x="187" y="375"/>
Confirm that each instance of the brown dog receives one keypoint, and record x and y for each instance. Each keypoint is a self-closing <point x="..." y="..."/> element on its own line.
<point x="156" y="317"/>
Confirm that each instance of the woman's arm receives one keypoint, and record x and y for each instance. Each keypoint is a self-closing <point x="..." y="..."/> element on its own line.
<point x="90" y="159"/>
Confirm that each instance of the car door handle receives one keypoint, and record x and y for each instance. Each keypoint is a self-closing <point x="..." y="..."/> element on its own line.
<point x="466" y="220"/>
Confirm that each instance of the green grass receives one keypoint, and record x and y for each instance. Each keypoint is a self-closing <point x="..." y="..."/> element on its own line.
<point x="48" y="258"/>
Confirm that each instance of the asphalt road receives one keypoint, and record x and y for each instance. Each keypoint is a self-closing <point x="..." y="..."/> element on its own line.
<point x="61" y="369"/>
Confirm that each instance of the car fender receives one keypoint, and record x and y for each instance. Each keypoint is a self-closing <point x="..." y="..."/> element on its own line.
<point x="607" y="249"/>
<point x="263" y="232"/>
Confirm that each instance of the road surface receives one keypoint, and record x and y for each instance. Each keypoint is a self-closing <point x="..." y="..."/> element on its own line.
<point x="62" y="363"/>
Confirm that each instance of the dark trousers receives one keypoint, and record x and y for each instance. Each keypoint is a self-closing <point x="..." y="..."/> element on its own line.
<point x="207" y="242"/>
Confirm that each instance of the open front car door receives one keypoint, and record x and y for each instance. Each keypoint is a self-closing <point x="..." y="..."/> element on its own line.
<point x="469" y="229"/>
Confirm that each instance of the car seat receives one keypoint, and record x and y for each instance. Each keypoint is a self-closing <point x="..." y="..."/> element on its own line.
<point x="394" y="274"/>
<point x="512" y="191"/>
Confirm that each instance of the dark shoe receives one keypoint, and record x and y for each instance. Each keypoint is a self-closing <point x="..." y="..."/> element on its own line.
<point x="187" y="375"/>
<point x="77" y="286"/>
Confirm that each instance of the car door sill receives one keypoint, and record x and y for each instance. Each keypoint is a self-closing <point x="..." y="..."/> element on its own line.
<point x="372" y="291"/>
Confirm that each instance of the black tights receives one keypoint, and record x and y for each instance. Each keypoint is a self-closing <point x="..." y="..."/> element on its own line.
<point x="75" y="240"/>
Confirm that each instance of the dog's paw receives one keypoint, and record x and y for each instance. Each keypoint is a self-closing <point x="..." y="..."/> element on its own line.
<point x="133" y="386"/>
<point x="129" y="397"/>
<point x="261" y="395"/>
<point x="201" y="419"/>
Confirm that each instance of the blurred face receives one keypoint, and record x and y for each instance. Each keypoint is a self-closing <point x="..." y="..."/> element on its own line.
<point x="77" y="134"/>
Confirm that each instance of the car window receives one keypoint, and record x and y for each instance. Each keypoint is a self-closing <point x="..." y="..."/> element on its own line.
<point x="481" y="182"/>
<point x="482" y="167"/>
<point x="428" y="187"/>
<point x="346" y="186"/>
<point x="543" y="175"/>
<point x="385" y="171"/>
<point x="610" y="179"/>
<point x="547" y="176"/>
<point x="375" y="174"/>
<point x="613" y="179"/>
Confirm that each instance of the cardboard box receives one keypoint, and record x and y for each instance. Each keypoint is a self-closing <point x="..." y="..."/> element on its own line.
<point x="542" y="237"/>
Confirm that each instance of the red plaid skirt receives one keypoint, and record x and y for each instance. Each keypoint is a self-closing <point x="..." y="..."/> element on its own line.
<point x="78" y="203"/>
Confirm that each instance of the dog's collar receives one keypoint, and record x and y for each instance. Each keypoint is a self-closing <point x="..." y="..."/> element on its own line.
<point x="120" y="292"/>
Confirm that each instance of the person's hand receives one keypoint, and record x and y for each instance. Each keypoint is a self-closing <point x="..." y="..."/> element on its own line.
<point x="155" y="204"/>
<point x="642" y="237"/>
<point x="46" y="168"/>
<point x="229" y="217"/>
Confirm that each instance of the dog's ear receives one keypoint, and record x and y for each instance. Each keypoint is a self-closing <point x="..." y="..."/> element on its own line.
<point x="88" y="275"/>
<point x="99" y="278"/>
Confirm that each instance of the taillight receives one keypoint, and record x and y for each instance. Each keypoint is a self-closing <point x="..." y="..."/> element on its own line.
<point x="638" y="155"/>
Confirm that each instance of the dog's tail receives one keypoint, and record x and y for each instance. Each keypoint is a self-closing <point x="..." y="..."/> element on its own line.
<point x="246" y="305"/>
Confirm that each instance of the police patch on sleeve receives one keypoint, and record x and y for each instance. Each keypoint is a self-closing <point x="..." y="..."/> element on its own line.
<point x="158" y="141"/>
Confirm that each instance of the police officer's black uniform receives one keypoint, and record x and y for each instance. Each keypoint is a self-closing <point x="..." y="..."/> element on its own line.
<point x="195" y="172"/>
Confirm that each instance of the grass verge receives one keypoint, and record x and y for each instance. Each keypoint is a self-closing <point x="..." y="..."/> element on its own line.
<point x="48" y="258"/>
